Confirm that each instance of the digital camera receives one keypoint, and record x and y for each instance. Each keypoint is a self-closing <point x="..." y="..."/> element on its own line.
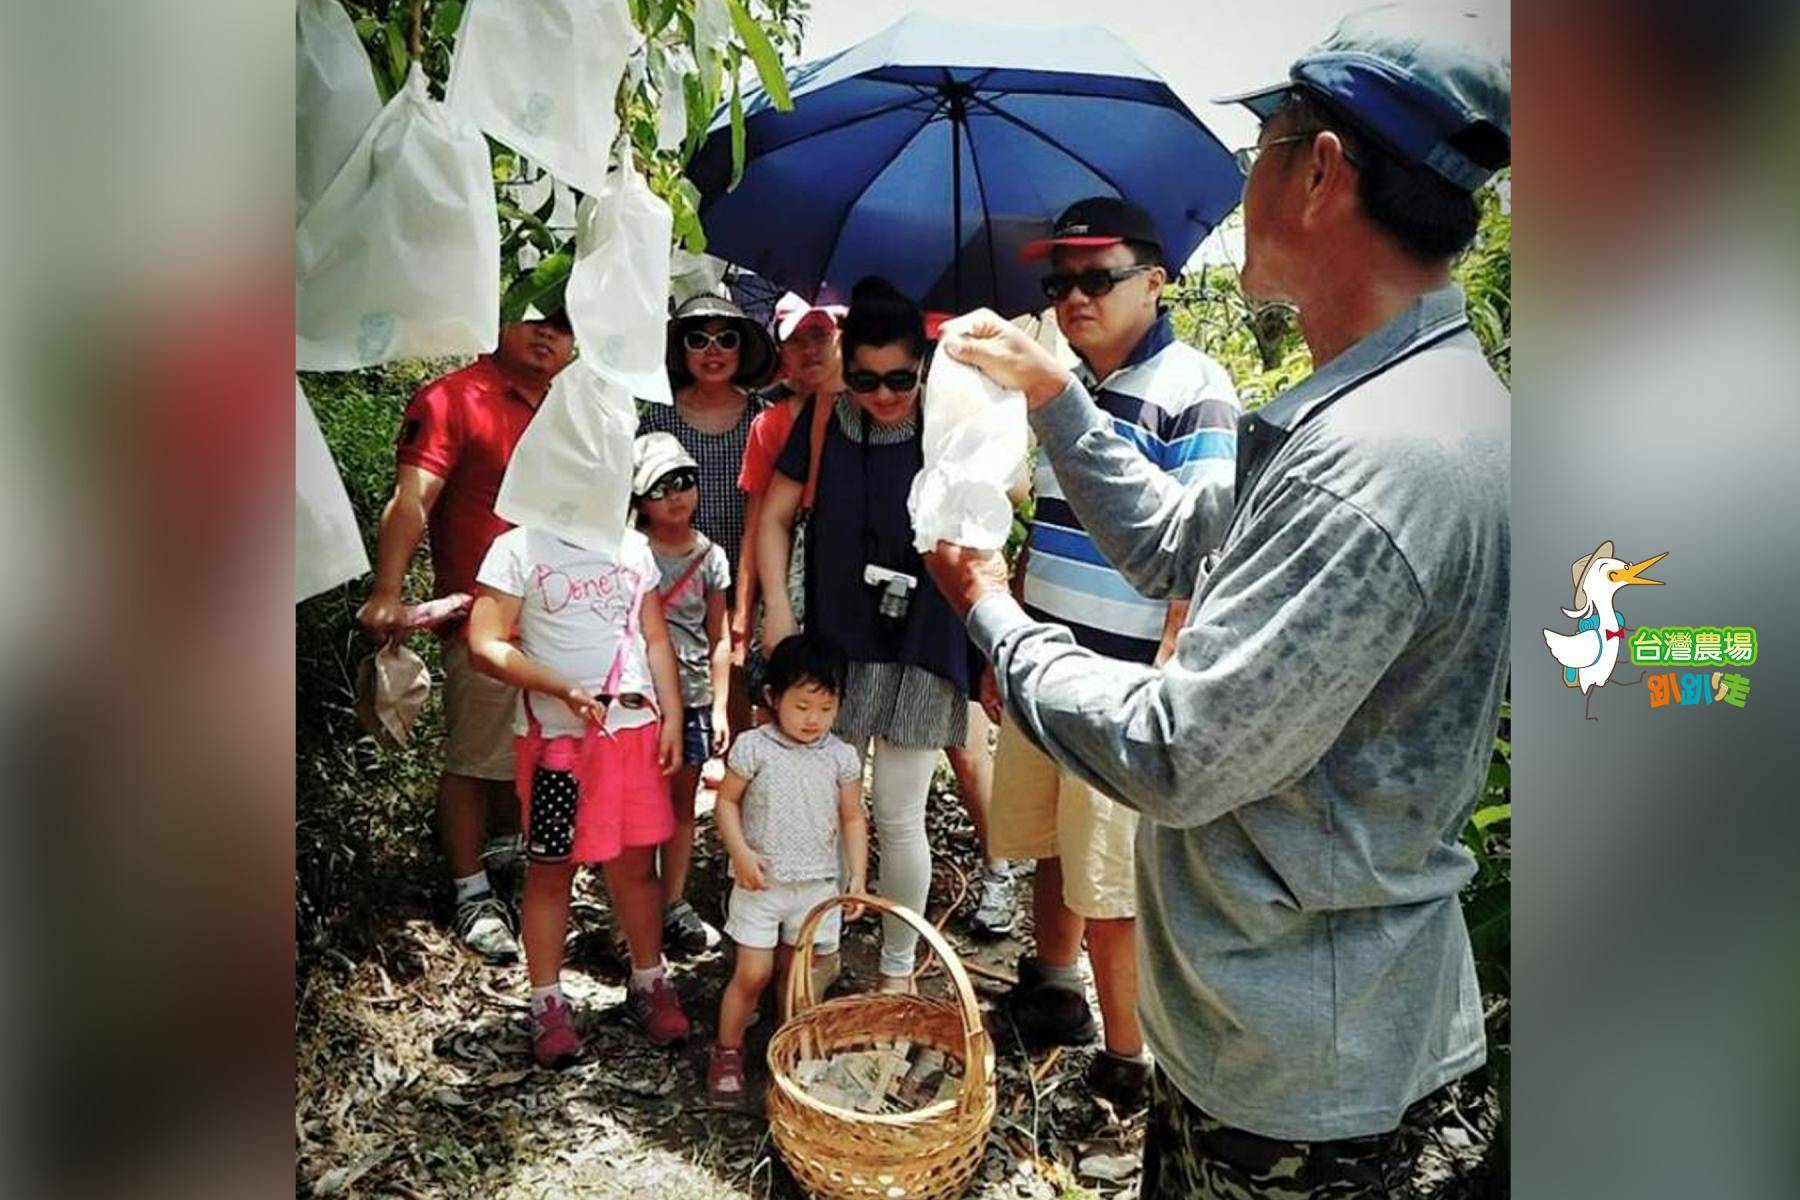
<point x="893" y="593"/>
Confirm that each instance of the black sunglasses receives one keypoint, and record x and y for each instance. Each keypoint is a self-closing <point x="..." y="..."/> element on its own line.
<point x="1094" y="282"/>
<point x="674" y="481"/>
<point x="865" y="382"/>
<point x="699" y="339"/>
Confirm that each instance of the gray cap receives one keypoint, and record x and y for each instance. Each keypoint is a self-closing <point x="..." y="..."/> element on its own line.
<point x="654" y="455"/>
<point x="1430" y="84"/>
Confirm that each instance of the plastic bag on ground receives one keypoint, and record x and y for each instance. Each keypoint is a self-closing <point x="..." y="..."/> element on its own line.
<point x="618" y="291"/>
<point x="328" y="546"/>
<point x="541" y="76"/>
<point x="570" y="474"/>
<point x="400" y="257"/>
<point x="335" y="96"/>
<point x="974" y="440"/>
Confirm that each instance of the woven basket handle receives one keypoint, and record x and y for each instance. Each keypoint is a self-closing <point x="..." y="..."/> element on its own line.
<point x="978" y="1051"/>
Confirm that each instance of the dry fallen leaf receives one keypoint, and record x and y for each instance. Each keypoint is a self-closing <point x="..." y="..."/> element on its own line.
<point x="1114" y="1168"/>
<point x="339" y="1178"/>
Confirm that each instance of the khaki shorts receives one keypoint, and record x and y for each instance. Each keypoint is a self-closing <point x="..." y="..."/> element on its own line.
<point x="478" y="718"/>
<point x="1040" y="811"/>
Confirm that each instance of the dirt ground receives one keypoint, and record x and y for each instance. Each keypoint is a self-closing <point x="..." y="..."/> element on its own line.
<point x="415" y="1079"/>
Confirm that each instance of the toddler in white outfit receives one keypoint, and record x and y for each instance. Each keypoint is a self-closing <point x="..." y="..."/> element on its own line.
<point x="789" y="807"/>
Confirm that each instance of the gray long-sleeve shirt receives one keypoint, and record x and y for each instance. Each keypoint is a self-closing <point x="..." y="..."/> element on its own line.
<point x="1309" y="757"/>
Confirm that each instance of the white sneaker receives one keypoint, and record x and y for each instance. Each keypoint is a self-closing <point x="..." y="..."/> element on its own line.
<point x="485" y="927"/>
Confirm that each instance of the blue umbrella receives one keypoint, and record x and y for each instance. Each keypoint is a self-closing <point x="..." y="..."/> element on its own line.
<point x="933" y="151"/>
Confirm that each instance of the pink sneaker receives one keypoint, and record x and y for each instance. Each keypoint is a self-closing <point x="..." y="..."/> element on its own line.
<point x="553" y="1038"/>
<point x="658" y="1009"/>
<point x="725" y="1074"/>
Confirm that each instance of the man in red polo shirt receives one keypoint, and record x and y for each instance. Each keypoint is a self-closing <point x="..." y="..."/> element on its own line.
<point x="457" y="437"/>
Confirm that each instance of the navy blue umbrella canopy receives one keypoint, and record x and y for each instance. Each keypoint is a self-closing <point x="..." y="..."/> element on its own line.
<point x="933" y="151"/>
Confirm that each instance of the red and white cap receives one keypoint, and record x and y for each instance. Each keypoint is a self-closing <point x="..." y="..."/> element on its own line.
<point x="792" y="310"/>
<point x="1097" y="221"/>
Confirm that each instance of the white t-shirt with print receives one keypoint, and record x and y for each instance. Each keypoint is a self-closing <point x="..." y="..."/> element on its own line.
<point x="576" y="605"/>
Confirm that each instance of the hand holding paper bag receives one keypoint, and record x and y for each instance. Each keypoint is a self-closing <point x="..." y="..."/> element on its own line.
<point x="974" y="440"/>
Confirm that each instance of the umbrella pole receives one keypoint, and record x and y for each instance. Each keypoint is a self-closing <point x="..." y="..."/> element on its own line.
<point x="956" y="200"/>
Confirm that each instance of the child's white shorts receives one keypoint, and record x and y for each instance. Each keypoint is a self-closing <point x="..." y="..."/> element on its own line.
<point x="758" y="919"/>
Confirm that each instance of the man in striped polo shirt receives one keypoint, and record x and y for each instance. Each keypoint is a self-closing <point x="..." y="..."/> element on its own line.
<point x="1180" y="409"/>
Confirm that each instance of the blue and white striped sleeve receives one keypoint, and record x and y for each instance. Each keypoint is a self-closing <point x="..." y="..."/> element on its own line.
<point x="1199" y="440"/>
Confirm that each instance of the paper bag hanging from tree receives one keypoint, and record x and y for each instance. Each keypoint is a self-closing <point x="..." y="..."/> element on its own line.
<point x="618" y="290"/>
<point x="570" y="474"/>
<point x="328" y="547"/>
<point x="400" y="257"/>
<point x="335" y="96"/>
<point x="542" y="76"/>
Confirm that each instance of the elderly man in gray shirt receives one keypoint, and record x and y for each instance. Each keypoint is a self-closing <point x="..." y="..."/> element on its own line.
<point x="1306" y="761"/>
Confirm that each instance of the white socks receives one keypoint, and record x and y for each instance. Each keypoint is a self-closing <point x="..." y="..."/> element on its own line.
<point x="641" y="979"/>
<point x="471" y="886"/>
<point x="541" y="997"/>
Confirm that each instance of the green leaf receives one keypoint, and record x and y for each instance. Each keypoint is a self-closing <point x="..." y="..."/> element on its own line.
<point x="1477" y="844"/>
<point x="1488" y="914"/>
<point x="447" y="19"/>
<point x="398" y="58"/>
<point x="737" y="135"/>
<point x="546" y="282"/>
<point x="1492" y="814"/>
<point x="699" y="114"/>
<point x="762" y="53"/>
<point x="660" y="19"/>
<point x="643" y="133"/>
<point x="1499" y="777"/>
<point x="684" y="205"/>
<point x="712" y="67"/>
<point x="512" y="212"/>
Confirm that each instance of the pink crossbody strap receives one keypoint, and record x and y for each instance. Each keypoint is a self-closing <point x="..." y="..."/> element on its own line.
<point x="614" y="672"/>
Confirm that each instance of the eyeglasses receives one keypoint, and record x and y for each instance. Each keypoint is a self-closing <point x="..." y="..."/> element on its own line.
<point x="675" y="481"/>
<point x="698" y="339"/>
<point x="1246" y="157"/>
<point x="864" y="382"/>
<point x="1094" y="282"/>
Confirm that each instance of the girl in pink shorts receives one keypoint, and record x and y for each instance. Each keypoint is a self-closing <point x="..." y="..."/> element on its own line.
<point x="599" y="729"/>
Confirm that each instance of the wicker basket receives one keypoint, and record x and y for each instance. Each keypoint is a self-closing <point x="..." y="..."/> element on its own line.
<point x="839" y="1154"/>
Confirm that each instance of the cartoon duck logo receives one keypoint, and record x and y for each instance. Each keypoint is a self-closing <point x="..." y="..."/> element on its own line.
<point x="1589" y="655"/>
